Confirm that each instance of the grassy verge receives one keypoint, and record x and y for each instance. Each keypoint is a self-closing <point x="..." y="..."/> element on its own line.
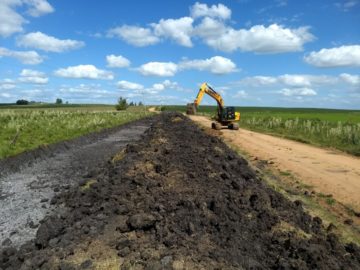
<point x="28" y="128"/>
<point x="339" y="129"/>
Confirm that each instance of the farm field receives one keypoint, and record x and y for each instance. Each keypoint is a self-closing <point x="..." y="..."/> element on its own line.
<point x="27" y="127"/>
<point x="339" y="129"/>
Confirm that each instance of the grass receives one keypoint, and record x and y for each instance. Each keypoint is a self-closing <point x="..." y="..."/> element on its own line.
<point x="29" y="127"/>
<point x="339" y="129"/>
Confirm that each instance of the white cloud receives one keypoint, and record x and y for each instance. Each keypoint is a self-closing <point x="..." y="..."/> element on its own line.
<point x="347" y="5"/>
<point x="210" y="29"/>
<point x="162" y="69"/>
<point x="202" y="10"/>
<point x="138" y="90"/>
<point x="260" y="39"/>
<point x="126" y="85"/>
<point x="214" y="31"/>
<point x="7" y="84"/>
<point x="351" y="79"/>
<point x="171" y="85"/>
<point x="119" y="61"/>
<point x="84" y="72"/>
<point x="179" y="30"/>
<point x="294" y="80"/>
<point x="33" y="76"/>
<point x="11" y="21"/>
<point x="134" y="35"/>
<point x="241" y="94"/>
<point x="216" y="65"/>
<point x="304" y="91"/>
<point x="5" y="95"/>
<point x="47" y="43"/>
<point x="38" y="8"/>
<point x="156" y="88"/>
<point x="88" y="93"/>
<point x="25" y="57"/>
<point x="344" y="56"/>
<point x="259" y="80"/>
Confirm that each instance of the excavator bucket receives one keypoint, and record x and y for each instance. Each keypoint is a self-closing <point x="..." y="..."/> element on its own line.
<point x="190" y="108"/>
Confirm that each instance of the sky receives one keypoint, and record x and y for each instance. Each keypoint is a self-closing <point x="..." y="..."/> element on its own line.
<point x="280" y="53"/>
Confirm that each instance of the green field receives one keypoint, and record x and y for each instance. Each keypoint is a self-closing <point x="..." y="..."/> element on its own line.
<point x="27" y="127"/>
<point x="339" y="129"/>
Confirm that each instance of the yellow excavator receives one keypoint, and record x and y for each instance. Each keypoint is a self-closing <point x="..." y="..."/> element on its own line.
<point x="226" y="116"/>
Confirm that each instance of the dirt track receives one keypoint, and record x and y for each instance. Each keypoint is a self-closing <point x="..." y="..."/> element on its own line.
<point x="179" y="199"/>
<point x="328" y="171"/>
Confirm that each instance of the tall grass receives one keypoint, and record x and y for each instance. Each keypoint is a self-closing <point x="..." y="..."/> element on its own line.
<point x="340" y="135"/>
<point x="25" y="129"/>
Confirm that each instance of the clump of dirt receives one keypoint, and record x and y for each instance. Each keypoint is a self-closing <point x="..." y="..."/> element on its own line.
<point x="179" y="199"/>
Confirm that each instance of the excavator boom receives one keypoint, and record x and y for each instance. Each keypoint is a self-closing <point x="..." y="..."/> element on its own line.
<point x="206" y="89"/>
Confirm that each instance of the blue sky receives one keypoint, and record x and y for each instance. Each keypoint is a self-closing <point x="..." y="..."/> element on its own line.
<point x="255" y="53"/>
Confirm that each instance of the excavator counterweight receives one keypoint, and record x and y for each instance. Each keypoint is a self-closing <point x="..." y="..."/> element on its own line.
<point x="226" y="116"/>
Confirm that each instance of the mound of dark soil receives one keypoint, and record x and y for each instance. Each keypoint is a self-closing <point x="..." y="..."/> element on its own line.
<point x="180" y="199"/>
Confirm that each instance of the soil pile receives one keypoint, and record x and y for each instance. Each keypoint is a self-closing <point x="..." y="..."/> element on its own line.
<point x="179" y="199"/>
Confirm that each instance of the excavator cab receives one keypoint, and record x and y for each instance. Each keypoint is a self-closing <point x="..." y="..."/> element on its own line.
<point x="228" y="114"/>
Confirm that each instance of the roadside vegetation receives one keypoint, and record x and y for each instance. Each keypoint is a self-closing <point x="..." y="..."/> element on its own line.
<point x="32" y="126"/>
<point x="339" y="129"/>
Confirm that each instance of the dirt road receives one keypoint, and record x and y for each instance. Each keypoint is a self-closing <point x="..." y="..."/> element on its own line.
<point x="329" y="172"/>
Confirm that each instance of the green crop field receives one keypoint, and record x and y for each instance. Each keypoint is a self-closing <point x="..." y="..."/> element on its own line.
<point x="339" y="129"/>
<point x="27" y="127"/>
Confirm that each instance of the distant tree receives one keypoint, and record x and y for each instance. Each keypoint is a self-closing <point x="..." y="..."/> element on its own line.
<point x="58" y="101"/>
<point x="140" y="103"/>
<point x="122" y="104"/>
<point x="67" y="102"/>
<point x="22" y="102"/>
<point x="131" y="104"/>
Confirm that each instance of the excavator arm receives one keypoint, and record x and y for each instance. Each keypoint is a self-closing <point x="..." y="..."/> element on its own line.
<point x="206" y="89"/>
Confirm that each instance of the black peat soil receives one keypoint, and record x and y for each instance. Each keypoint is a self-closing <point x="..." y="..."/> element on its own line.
<point x="179" y="199"/>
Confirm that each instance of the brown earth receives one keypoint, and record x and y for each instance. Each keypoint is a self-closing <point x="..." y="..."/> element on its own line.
<point x="179" y="199"/>
<point x="327" y="171"/>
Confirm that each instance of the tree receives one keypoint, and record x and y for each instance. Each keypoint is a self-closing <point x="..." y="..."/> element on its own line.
<point x="131" y="104"/>
<point x="22" y="102"/>
<point x="58" y="101"/>
<point x="122" y="104"/>
<point x="140" y="103"/>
